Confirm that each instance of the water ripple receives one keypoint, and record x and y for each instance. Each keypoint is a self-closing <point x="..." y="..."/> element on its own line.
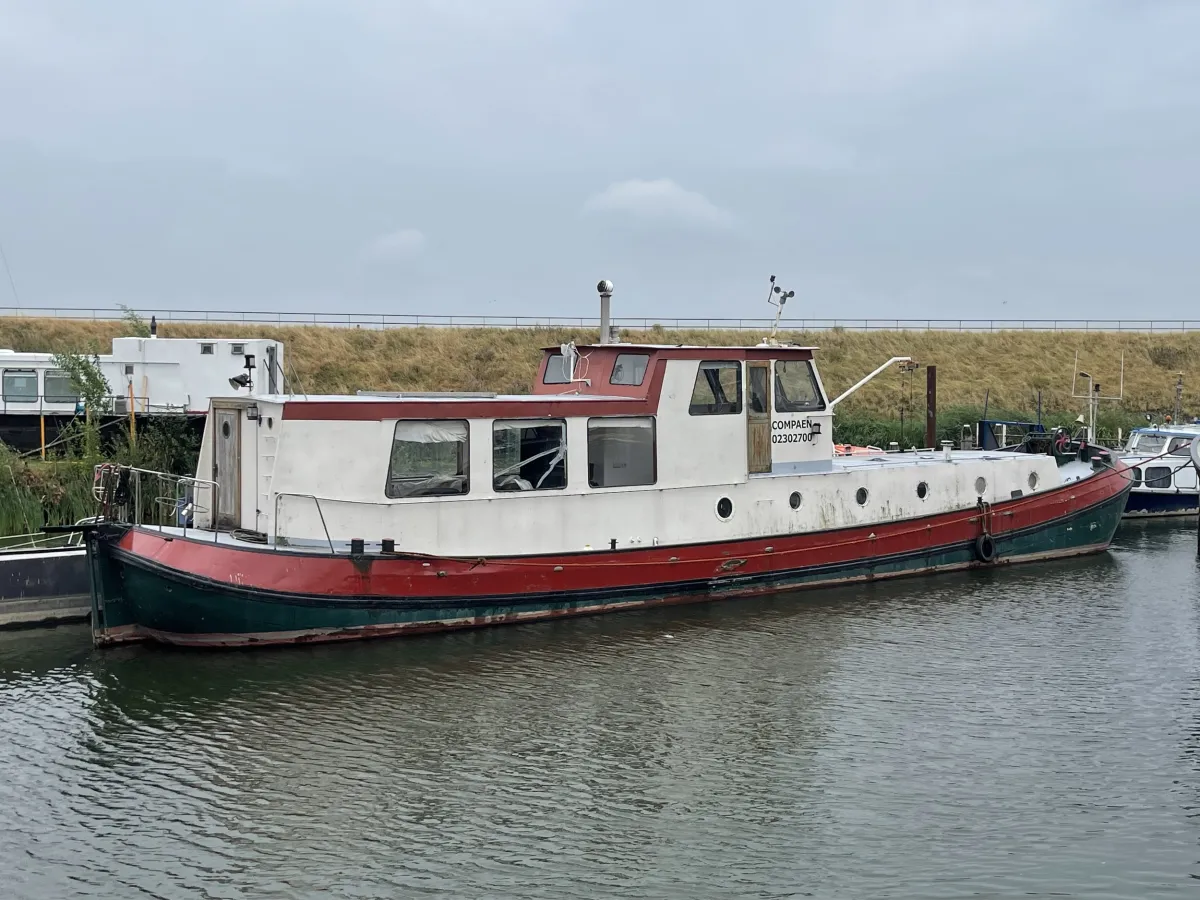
<point x="1003" y="734"/>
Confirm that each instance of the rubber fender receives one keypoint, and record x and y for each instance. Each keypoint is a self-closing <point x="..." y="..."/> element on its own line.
<point x="985" y="548"/>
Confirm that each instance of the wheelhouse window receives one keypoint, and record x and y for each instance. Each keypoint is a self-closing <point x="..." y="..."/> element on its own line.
<point x="796" y="387"/>
<point x="1150" y="444"/>
<point x="529" y="454"/>
<point x="1181" y="446"/>
<point x="630" y="368"/>
<point x="621" y="452"/>
<point x="20" y="386"/>
<point x="1158" y="477"/>
<point x="718" y="389"/>
<point x="59" y="388"/>
<point x="556" y="370"/>
<point x="430" y="458"/>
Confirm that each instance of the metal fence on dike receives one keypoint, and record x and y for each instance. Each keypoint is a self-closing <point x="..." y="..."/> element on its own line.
<point x="636" y="323"/>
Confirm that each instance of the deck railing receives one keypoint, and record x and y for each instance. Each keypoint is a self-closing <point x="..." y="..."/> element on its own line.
<point x="638" y="323"/>
<point x="157" y="499"/>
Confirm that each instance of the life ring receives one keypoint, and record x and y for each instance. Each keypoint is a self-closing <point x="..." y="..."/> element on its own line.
<point x="1061" y="440"/>
<point x="985" y="548"/>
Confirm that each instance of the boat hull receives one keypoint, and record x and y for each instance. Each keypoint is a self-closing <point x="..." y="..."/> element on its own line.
<point x="1146" y="504"/>
<point x="193" y="591"/>
<point x="43" y="586"/>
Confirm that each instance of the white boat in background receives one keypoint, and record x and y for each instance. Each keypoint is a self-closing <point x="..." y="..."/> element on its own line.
<point x="1164" y="479"/>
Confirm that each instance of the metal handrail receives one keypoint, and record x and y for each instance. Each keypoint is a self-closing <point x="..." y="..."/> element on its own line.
<point x="316" y="500"/>
<point x="105" y="471"/>
<point x="401" y="320"/>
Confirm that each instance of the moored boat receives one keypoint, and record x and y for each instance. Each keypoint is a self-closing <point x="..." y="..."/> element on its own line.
<point x="632" y="476"/>
<point x="1164" y="479"/>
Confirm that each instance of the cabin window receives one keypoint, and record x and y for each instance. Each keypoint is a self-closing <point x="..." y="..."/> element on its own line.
<point x="796" y="387"/>
<point x="1181" y="447"/>
<point x="1158" y="477"/>
<point x="1150" y="444"/>
<point x="20" y="386"/>
<point x="529" y="454"/>
<point x="556" y="370"/>
<point x="59" y="388"/>
<point x="630" y="368"/>
<point x="237" y="349"/>
<point x="718" y="389"/>
<point x="621" y="452"/>
<point x="206" y="349"/>
<point x="1135" y="476"/>
<point x="429" y="459"/>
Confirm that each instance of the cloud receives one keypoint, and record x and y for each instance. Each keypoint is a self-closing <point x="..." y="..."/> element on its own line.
<point x="660" y="199"/>
<point x="395" y="245"/>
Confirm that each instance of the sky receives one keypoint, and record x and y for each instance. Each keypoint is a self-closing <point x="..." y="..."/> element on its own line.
<point x="908" y="158"/>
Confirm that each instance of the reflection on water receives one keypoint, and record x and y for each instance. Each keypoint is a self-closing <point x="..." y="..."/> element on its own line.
<point x="1003" y="733"/>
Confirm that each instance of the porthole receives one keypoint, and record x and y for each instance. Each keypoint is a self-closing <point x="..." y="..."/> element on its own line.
<point x="224" y="429"/>
<point x="1033" y="480"/>
<point x="724" y="508"/>
<point x="861" y="496"/>
<point x="794" y="500"/>
<point x="922" y="490"/>
<point x="980" y="485"/>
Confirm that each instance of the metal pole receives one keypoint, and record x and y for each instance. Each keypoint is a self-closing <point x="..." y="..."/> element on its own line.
<point x="1196" y="465"/>
<point x="930" y="406"/>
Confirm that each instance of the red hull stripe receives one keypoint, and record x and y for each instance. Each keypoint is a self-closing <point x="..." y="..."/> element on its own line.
<point x="434" y="578"/>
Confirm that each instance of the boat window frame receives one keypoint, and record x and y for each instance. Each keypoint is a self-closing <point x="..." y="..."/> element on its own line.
<point x="711" y="365"/>
<point x="1155" y="482"/>
<point x="516" y="423"/>
<point x="1148" y="450"/>
<point x="653" y="420"/>
<point x="817" y="405"/>
<point x="464" y="465"/>
<point x="37" y="385"/>
<point x="645" y="357"/>
<point x="1185" y="444"/>
<point x="58" y="398"/>
<point x="551" y="359"/>
<point x="1135" y="477"/>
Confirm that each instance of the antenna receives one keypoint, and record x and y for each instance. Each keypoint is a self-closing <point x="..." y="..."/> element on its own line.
<point x="1093" y="396"/>
<point x="783" y="297"/>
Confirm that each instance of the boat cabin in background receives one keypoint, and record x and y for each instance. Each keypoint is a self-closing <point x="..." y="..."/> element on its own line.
<point x="150" y="376"/>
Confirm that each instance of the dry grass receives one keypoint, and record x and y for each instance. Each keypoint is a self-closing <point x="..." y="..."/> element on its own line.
<point x="1012" y="365"/>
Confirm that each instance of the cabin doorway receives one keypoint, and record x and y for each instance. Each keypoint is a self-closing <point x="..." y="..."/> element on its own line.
<point x="227" y="466"/>
<point x="758" y="417"/>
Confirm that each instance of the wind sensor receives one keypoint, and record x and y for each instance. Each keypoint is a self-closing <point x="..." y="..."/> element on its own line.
<point x="777" y="297"/>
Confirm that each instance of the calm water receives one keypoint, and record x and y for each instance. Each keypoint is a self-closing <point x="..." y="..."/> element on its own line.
<point x="1015" y="734"/>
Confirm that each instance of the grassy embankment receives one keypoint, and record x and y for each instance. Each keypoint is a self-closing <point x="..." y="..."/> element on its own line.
<point x="1009" y="368"/>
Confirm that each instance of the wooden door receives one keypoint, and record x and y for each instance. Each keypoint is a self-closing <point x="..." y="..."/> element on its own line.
<point x="227" y="466"/>
<point x="758" y="416"/>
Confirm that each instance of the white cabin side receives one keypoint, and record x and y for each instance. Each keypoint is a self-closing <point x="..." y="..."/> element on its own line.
<point x="161" y="374"/>
<point x="679" y="468"/>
